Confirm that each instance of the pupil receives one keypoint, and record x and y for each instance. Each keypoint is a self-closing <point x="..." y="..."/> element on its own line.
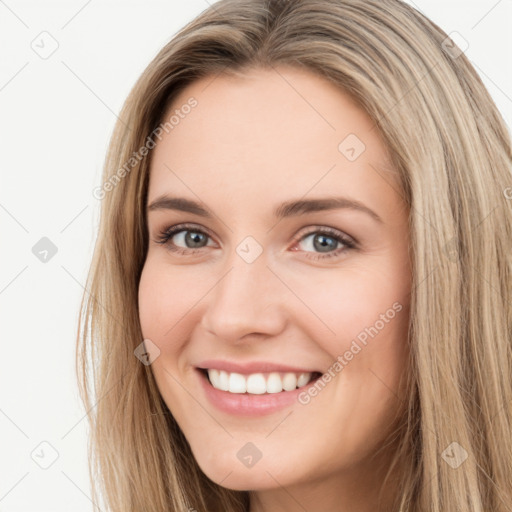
<point x="193" y="238"/>
<point x="323" y="246"/>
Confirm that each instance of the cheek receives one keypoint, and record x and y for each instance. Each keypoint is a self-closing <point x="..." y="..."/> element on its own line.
<point x="159" y="307"/>
<point x="353" y="304"/>
<point x="162" y="308"/>
<point x="168" y="309"/>
<point x="163" y="291"/>
<point x="149" y="300"/>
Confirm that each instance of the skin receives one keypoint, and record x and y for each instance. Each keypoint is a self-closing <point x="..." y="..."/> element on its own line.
<point x="251" y="143"/>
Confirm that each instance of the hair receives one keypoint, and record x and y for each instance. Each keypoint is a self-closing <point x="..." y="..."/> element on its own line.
<point x="452" y="152"/>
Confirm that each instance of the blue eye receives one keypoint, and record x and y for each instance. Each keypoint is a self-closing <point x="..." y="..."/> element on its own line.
<point x="327" y="241"/>
<point x="193" y="236"/>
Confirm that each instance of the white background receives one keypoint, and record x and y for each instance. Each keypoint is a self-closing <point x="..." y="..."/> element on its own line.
<point x="56" y="117"/>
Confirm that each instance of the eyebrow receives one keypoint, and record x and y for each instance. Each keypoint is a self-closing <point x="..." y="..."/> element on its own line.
<point x="292" y="208"/>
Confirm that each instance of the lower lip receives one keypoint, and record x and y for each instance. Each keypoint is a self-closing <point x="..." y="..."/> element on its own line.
<point x="245" y="404"/>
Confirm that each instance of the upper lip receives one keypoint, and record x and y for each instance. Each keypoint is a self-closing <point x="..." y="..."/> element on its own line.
<point x="251" y="367"/>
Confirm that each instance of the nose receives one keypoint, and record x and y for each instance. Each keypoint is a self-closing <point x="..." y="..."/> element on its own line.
<point x="247" y="301"/>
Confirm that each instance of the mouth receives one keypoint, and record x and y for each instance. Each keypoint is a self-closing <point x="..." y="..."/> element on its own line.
<point x="260" y="383"/>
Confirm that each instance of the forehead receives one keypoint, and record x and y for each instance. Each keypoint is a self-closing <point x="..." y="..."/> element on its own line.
<point x="270" y="134"/>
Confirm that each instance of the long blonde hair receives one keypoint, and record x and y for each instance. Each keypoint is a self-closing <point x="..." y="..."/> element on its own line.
<point x="452" y="151"/>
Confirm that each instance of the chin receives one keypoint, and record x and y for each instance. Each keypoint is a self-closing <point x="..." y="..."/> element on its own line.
<point x="227" y="471"/>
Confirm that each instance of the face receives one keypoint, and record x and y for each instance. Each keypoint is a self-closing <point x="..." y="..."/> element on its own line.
<point x="277" y="280"/>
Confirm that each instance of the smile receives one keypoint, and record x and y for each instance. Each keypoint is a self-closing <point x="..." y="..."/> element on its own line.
<point x="258" y="383"/>
<point x="252" y="389"/>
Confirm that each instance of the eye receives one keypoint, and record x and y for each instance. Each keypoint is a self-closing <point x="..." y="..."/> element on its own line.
<point x="327" y="241"/>
<point x="189" y="235"/>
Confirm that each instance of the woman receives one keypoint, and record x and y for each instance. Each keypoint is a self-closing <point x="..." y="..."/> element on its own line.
<point x="299" y="298"/>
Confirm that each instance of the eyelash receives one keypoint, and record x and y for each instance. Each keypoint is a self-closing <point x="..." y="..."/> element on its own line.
<point x="349" y="243"/>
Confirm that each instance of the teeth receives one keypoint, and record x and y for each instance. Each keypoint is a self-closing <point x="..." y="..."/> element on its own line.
<point x="237" y="383"/>
<point x="257" y="383"/>
<point x="289" y="382"/>
<point x="223" y="381"/>
<point x="303" y="380"/>
<point x="274" y="383"/>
